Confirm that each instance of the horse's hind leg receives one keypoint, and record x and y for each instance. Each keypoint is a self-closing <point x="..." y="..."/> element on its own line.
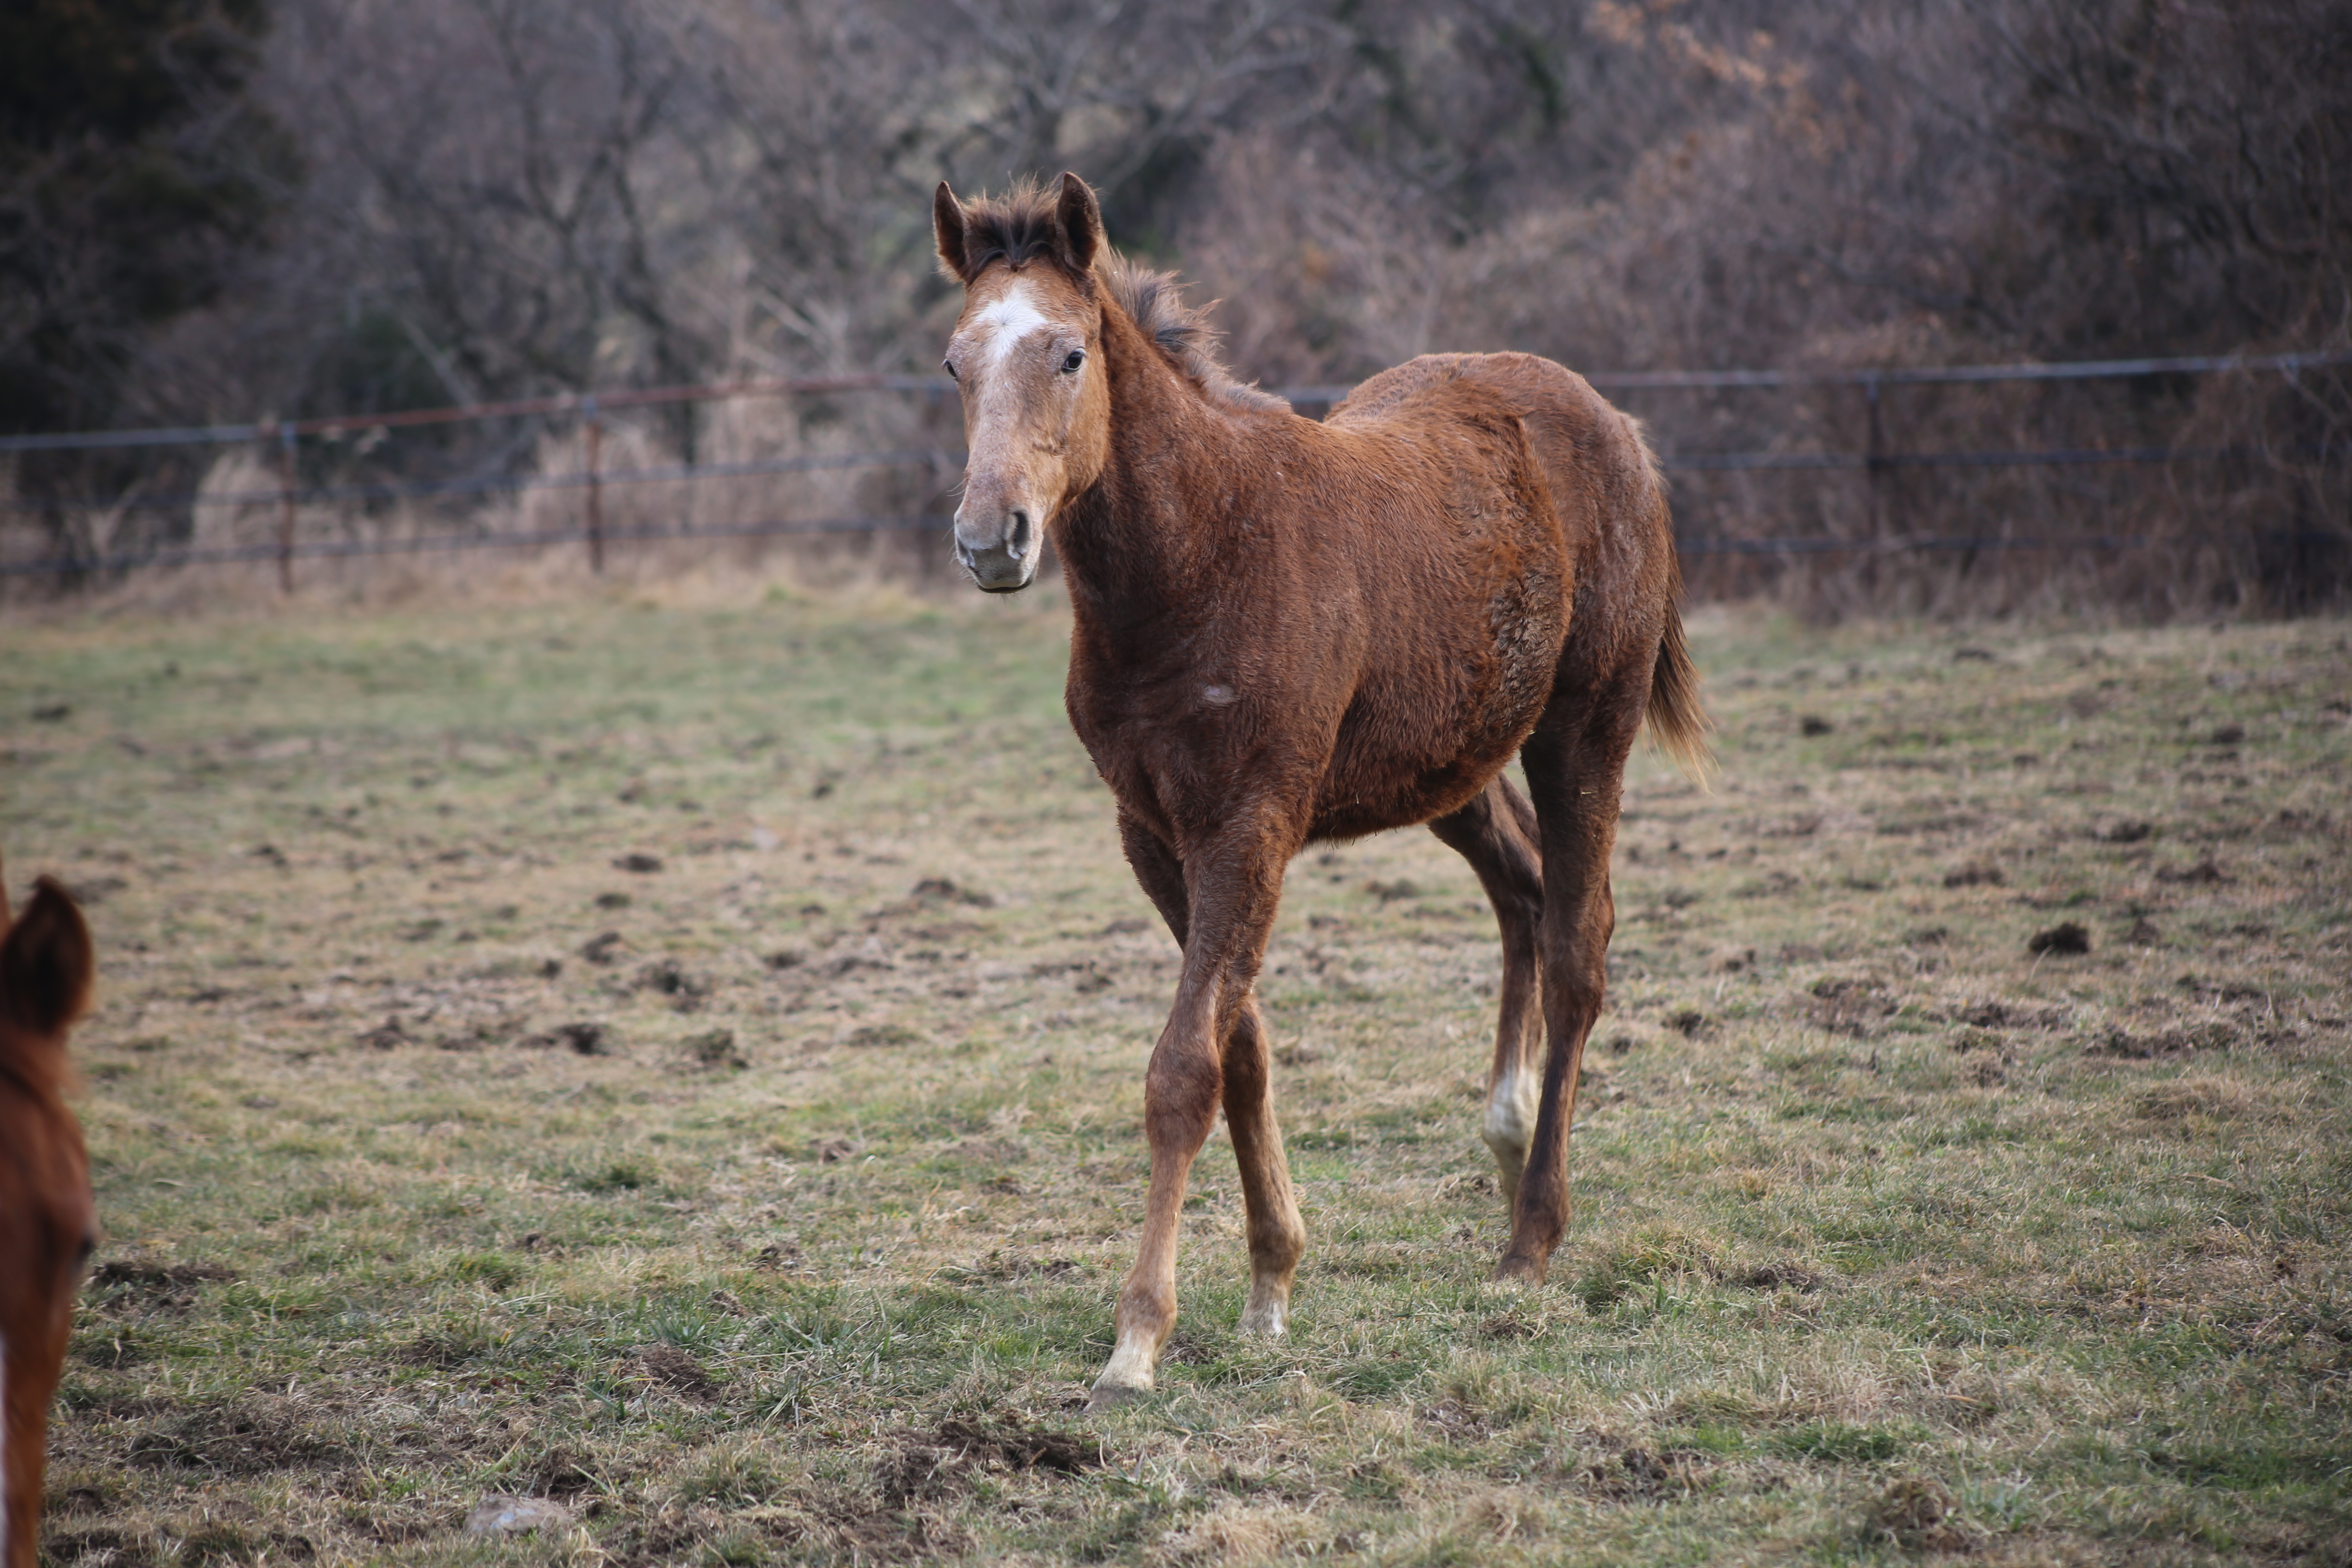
<point x="1496" y="832"/>
<point x="1575" y="764"/>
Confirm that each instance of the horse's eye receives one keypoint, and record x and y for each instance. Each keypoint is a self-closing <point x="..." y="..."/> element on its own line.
<point x="949" y="365"/>
<point x="1077" y="357"/>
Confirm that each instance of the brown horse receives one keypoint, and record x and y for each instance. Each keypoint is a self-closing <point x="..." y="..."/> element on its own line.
<point x="46" y="1217"/>
<point x="1288" y="631"/>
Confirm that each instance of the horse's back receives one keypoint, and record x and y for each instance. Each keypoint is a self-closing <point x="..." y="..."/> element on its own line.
<point x="1597" y="463"/>
<point x="1605" y="486"/>
<point x="1440" y="506"/>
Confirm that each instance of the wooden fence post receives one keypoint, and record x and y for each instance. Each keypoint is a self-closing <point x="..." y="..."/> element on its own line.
<point x="286" y="476"/>
<point x="596" y="432"/>
<point x="1875" y="464"/>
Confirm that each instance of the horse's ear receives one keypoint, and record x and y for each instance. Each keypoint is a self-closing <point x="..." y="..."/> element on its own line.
<point x="947" y="226"/>
<point x="45" y="963"/>
<point x="1078" y="217"/>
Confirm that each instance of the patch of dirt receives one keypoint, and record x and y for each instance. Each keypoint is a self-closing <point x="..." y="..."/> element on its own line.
<point x="1512" y="1325"/>
<point x="2223" y="990"/>
<point x="669" y="978"/>
<point x="717" y="1051"/>
<point x="156" y="1278"/>
<point x="1775" y="1277"/>
<point x="561" y="1474"/>
<point x="953" y="931"/>
<point x="99" y="1549"/>
<point x="940" y="890"/>
<point x="863" y="1534"/>
<point x="247" y="1438"/>
<point x="668" y="1367"/>
<point x="2067" y="937"/>
<point x="989" y="1151"/>
<point x="167" y="1287"/>
<point x="580" y="1038"/>
<point x="942" y="1461"/>
<point x="2118" y="1042"/>
<point x="1848" y="1006"/>
<point x="871" y="1035"/>
<point x="2007" y="1015"/>
<point x="1915" y="1512"/>
<point x="92" y="891"/>
<point x="1628" y="1472"/>
<point x="1456" y="1422"/>
<point x="1088" y="974"/>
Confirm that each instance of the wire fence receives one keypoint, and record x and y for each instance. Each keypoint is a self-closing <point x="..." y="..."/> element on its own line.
<point x="589" y="415"/>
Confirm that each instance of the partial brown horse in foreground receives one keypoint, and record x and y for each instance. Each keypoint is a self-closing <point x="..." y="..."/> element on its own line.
<point x="1288" y="631"/>
<point x="46" y="1217"/>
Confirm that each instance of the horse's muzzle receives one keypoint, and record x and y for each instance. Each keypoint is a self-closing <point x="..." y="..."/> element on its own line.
<point x="1006" y="565"/>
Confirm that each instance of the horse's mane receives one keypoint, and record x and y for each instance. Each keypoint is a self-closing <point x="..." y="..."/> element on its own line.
<point x="1018" y="227"/>
<point x="1155" y="300"/>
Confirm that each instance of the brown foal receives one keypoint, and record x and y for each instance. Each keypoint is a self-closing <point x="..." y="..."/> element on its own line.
<point x="1288" y="631"/>
<point x="46" y="1217"/>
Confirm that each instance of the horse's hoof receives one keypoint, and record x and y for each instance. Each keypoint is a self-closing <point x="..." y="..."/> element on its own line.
<point x="1111" y="1396"/>
<point x="1515" y="1269"/>
<point x="1265" y="1320"/>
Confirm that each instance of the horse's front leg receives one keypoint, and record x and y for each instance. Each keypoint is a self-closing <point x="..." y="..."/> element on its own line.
<point x="1277" y="1234"/>
<point x="1231" y="887"/>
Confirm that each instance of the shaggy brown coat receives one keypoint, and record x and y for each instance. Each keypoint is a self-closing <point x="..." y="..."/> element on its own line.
<point x="1287" y="631"/>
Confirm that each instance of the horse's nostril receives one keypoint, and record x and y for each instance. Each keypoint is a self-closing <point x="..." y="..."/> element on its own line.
<point x="1017" y="540"/>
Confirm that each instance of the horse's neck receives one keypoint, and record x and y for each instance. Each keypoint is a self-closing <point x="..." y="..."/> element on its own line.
<point x="1144" y="530"/>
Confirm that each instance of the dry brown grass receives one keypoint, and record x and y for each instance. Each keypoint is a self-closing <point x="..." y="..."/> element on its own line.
<point x="428" y="1170"/>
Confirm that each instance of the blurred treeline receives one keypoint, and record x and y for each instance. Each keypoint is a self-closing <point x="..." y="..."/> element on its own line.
<point x="219" y="209"/>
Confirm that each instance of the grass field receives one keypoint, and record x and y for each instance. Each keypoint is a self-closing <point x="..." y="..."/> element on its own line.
<point x="683" y="1059"/>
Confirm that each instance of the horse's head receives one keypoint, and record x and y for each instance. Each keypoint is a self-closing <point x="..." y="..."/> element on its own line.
<point x="47" y="1225"/>
<point x="1026" y="355"/>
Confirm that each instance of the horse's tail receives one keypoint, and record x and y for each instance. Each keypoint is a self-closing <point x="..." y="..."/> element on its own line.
<point x="1678" y="724"/>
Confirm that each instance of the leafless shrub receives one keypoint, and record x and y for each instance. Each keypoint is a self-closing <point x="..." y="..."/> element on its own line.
<point x="502" y="201"/>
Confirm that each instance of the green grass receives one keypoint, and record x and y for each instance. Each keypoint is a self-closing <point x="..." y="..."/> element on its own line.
<point x="767" y="1206"/>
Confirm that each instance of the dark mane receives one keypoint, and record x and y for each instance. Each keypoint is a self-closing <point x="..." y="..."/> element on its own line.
<point x="1017" y="227"/>
<point x="1155" y="300"/>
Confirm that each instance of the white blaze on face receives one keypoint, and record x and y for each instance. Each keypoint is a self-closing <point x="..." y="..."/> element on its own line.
<point x="1005" y="320"/>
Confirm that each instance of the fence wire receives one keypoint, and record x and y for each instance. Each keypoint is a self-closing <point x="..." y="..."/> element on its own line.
<point x="588" y="411"/>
